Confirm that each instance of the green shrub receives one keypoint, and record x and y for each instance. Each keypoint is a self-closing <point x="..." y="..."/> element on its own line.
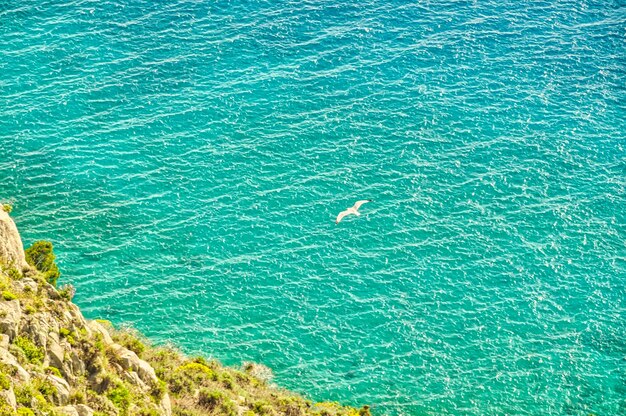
<point x="120" y="397"/>
<point x="365" y="411"/>
<point x="7" y="208"/>
<point x="242" y="378"/>
<point x="40" y="256"/>
<point x="263" y="408"/>
<point x="146" y="412"/>
<point x="5" y="407"/>
<point x="5" y="381"/>
<point x="45" y="387"/>
<point x="68" y="335"/>
<point x="227" y="381"/>
<point x="24" y="394"/>
<point x="197" y="370"/>
<point x="40" y="390"/>
<point x="216" y="400"/>
<point x="14" y="274"/>
<point x="190" y="376"/>
<point x="30" y="309"/>
<point x="54" y="371"/>
<point x="8" y="295"/>
<point x="24" y="411"/>
<point x="99" y="345"/>
<point x="210" y="398"/>
<point x="158" y="391"/>
<point x="33" y="353"/>
<point x="8" y="369"/>
<point x="130" y="340"/>
<point x="181" y="411"/>
<point x="78" y="397"/>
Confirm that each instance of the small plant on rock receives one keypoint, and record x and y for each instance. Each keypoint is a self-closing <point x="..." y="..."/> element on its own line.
<point x="14" y="273"/>
<point x="67" y="292"/>
<point x="8" y="295"/>
<point x="54" y="371"/>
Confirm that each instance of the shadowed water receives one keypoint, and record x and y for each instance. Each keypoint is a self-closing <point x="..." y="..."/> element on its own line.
<point x="188" y="159"/>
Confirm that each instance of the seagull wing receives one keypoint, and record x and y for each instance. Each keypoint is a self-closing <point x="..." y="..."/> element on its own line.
<point x="358" y="204"/>
<point x="341" y="215"/>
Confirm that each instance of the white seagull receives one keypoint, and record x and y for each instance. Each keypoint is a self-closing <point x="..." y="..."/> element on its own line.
<point x="353" y="210"/>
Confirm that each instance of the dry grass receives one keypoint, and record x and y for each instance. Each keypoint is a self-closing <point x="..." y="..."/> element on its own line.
<point x="205" y="387"/>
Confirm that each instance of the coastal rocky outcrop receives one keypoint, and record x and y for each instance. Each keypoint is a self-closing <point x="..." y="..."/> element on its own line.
<point x="53" y="361"/>
<point x="11" y="248"/>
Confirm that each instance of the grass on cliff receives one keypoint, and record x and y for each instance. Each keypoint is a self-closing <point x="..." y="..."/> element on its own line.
<point x="200" y="387"/>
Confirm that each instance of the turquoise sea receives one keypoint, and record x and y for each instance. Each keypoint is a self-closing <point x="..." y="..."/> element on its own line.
<point x="188" y="159"/>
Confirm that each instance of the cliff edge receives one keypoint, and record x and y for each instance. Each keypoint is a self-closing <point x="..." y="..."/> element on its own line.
<point x="54" y="362"/>
<point x="11" y="248"/>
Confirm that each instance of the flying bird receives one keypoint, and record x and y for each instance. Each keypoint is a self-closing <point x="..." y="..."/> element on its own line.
<point x="353" y="210"/>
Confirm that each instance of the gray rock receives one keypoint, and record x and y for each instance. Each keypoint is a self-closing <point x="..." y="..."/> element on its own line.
<point x="63" y="389"/>
<point x="67" y="411"/>
<point x="133" y="378"/>
<point x="9" y="359"/>
<point x="99" y="329"/>
<point x="9" y="397"/>
<point x="36" y="326"/>
<point x="11" y="247"/>
<point x="26" y="282"/>
<point x="78" y="320"/>
<point x="4" y="342"/>
<point x="10" y="317"/>
<point x="166" y="405"/>
<point x="55" y="353"/>
<point x="129" y="360"/>
<point x="77" y="365"/>
<point x="51" y="292"/>
<point x="84" y="410"/>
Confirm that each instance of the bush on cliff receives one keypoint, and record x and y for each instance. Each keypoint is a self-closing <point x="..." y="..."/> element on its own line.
<point x="217" y="402"/>
<point x="33" y="353"/>
<point x="120" y="397"/>
<point x="40" y="256"/>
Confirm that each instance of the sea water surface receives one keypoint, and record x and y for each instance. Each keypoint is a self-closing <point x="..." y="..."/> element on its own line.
<point x="188" y="159"/>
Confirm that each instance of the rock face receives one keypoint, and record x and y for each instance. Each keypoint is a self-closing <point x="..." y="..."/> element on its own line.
<point x="11" y="248"/>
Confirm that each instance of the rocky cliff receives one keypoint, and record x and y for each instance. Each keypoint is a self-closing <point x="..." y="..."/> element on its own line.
<point x="55" y="362"/>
